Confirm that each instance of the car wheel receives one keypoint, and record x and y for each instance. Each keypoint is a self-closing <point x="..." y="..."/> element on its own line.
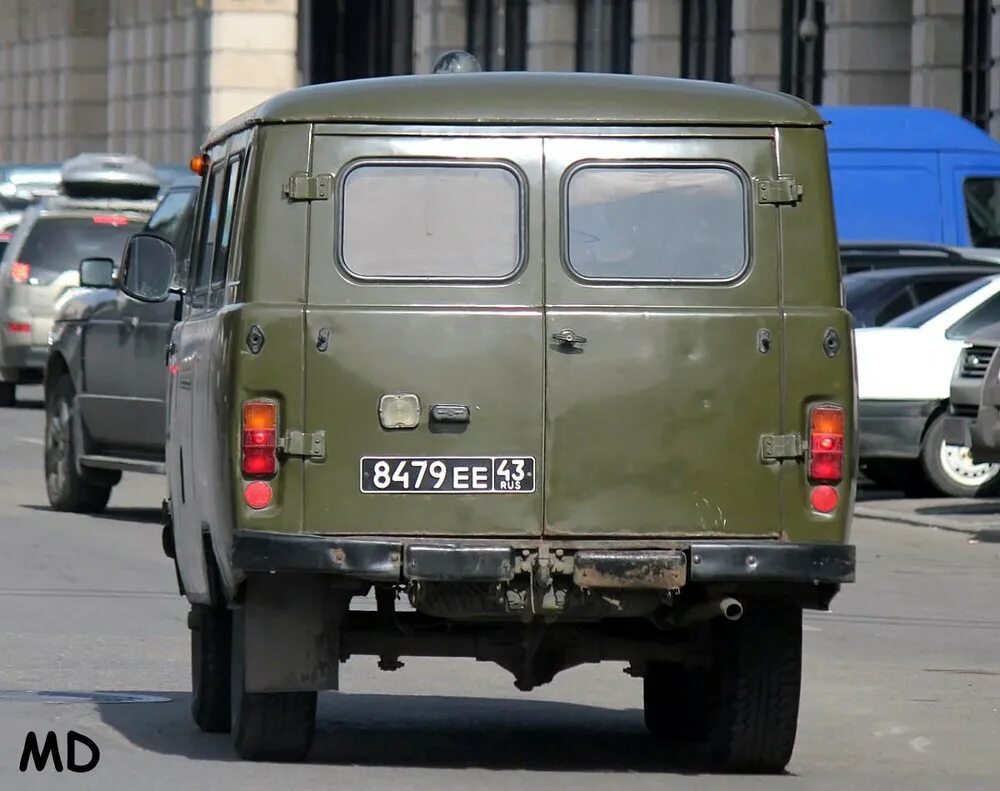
<point x="675" y="702"/>
<point x="67" y="489"/>
<point x="950" y="470"/>
<point x="8" y="395"/>
<point x="211" y="636"/>
<point x="758" y="685"/>
<point x="268" y="726"/>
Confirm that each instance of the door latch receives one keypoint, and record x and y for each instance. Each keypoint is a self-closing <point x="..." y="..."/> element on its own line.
<point x="568" y="337"/>
<point x="303" y="187"/>
<point x="779" y="447"/>
<point x="298" y="444"/>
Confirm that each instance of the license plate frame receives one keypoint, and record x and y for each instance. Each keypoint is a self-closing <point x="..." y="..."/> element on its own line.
<point x="457" y="474"/>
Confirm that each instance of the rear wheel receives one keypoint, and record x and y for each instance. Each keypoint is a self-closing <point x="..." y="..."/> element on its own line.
<point x="67" y="489"/>
<point x="268" y="726"/>
<point x="675" y="702"/>
<point x="211" y="635"/>
<point x="950" y="470"/>
<point x="8" y="396"/>
<point x="757" y="688"/>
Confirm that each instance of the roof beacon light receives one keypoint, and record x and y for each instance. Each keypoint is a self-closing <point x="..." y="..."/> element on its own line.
<point x="456" y="61"/>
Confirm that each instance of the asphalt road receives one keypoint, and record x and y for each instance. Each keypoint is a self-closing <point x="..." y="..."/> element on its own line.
<point x="901" y="688"/>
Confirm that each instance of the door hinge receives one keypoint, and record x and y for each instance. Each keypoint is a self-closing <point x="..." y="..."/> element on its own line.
<point x="783" y="189"/>
<point x="301" y="445"/>
<point x="776" y="447"/>
<point x="301" y="186"/>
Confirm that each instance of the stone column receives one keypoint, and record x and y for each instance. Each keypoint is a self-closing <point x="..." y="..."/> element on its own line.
<point x="936" y="51"/>
<point x="252" y="49"/>
<point x="656" y="37"/>
<point x="867" y="52"/>
<point x="438" y="26"/>
<point x="756" y="55"/>
<point x="552" y="35"/>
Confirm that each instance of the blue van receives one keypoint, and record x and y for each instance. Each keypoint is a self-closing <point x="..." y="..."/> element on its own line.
<point x="913" y="174"/>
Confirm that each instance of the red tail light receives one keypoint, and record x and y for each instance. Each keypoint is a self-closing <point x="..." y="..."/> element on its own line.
<point x="20" y="272"/>
<point x="114" y="220"/>
<point x="18" y="326"/>
<point x="260" y="439"/>
<point x="826" y="444"/>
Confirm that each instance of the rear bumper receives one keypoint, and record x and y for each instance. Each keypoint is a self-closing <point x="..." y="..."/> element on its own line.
<point x="398" y="560"/>
<point x="892" y="429"/>
<point x="22" y="362"/>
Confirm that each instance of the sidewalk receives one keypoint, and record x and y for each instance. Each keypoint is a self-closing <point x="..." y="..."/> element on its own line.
<point x="978" y="518"/>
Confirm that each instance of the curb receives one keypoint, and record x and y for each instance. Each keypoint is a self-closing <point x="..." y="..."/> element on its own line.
<point x="917" y="521"/>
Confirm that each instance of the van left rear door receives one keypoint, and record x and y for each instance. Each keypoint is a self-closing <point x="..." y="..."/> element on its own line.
<point x="424" y="337"/>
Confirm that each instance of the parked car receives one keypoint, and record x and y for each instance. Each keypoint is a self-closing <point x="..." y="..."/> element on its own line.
<point x="973" y="416"/>
<point x="105" y="377"/>
<point x="871" y="256"/>
<point x="42" y="259"/>
<point x="501" y="404"/>
<point x="913" y="173"/>
<point x="876" y="297"/>
<point x="904" y="376"/>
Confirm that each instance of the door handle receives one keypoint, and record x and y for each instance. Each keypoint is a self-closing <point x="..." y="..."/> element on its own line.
<point x="130" y="323"/>
<point x="568" y="337"/>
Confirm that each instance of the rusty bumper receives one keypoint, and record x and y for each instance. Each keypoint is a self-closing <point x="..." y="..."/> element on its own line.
<point x="379" y="559"/>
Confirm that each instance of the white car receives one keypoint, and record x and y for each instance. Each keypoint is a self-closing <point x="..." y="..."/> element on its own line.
<point x="904" y="378"/>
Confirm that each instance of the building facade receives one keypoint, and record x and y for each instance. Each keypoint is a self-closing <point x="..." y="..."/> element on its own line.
<point x="150" y="77"/>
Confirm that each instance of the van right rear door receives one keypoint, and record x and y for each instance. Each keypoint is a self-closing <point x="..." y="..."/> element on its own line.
<point x="664" y="337"/>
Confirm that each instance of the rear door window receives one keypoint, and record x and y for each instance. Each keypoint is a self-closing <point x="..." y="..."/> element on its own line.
<point x="656" y="222"/>
<point x="982" y="206"/>
<point x="407" y="221"/>
<point x="58" y="244"/>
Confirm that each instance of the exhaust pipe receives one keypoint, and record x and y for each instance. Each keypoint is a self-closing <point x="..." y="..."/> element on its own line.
<point x="732" y="610"/>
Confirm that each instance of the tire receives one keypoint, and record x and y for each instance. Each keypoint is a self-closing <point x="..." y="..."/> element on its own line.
<point x="211" y="636"/>
<point x="67" y="489"/>
<point x="268" y="726"/>
<point x="758" y="687"/>
<point x="950" y="471"/>
<point x="674" y="699"/>
<point x="8" y="394"/>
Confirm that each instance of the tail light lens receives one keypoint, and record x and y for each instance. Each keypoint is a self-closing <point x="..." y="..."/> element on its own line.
<point x="260" y="435"/>
<point x="20" y="272"/>
<point x="826" y="444"/>
<point x="18" y="326"/>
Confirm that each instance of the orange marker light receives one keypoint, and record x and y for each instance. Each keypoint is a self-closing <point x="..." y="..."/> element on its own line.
<point x="200" y="164"/>
<point x="258" y="495"/>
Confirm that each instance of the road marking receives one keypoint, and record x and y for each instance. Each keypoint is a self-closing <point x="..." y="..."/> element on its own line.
<point x="920" y="744"/>
<point x="31" y="440"/>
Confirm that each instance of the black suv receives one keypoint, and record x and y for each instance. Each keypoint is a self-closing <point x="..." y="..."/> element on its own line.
<point x="105" y="381"/>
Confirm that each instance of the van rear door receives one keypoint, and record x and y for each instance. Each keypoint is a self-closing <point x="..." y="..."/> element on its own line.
<point x="663" y="337"/>
<point x="424" y="337"/>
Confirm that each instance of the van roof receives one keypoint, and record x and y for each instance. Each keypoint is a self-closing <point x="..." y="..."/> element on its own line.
<point x="903" y="129"/>
<point x="528" y="98"/>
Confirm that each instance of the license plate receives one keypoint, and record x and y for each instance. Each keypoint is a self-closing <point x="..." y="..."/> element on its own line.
<point x="448" y="475"/>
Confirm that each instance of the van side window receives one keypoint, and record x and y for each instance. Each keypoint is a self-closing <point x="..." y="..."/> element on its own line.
<point x="982" y="206"/>
<point x="227" y="218"/>
<point x="656" y="222"/>
<point x="205" y="250"/>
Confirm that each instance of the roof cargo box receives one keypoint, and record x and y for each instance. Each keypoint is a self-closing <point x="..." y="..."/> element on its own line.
<point x="109" y="176"/>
